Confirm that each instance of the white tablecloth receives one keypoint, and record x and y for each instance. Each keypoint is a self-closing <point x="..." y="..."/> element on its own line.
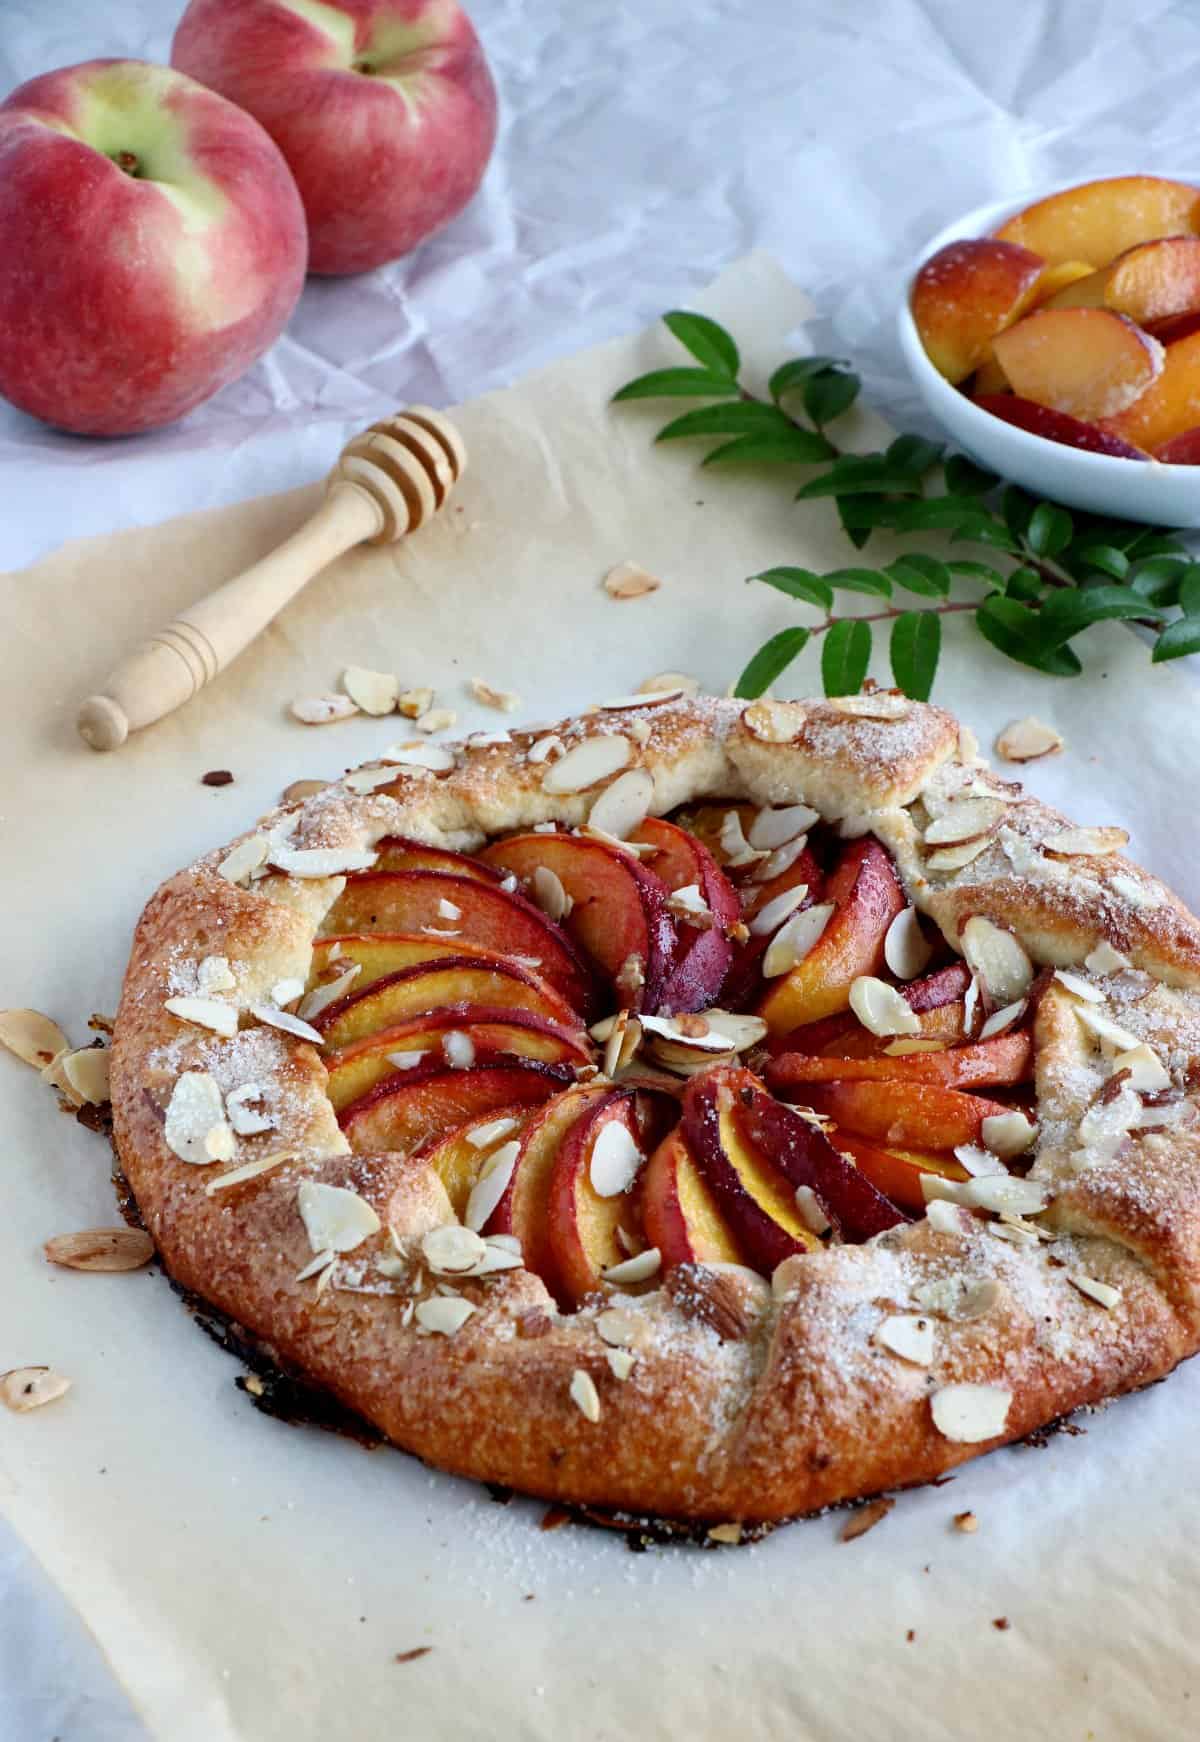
<point x="643" y="146"/>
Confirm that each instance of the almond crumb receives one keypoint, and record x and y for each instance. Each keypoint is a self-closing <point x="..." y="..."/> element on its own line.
<point x="865" y="1518"/>
<point x="966" y="1522"/>
<point x="630" y="581"/>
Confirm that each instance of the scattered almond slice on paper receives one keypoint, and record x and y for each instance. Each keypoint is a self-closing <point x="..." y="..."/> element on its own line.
<point x="505" y="701"/>
<point x="676" y="681"/>
<point x="413" y="703"/>
<point x="374" y="692"/>
<point x="26" y="1388"/>
<point x="322" y="710"/>
<point x="1027" y="740"/>
<point x="85" y="1070"/>
<point x="629" y="580"/>
<point x="101" y="1249"/>
<point x="436" y="720"/>
<point x="36" y="1040"/>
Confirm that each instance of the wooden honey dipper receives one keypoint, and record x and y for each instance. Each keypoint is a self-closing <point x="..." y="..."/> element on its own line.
<point x="389" y="481"/>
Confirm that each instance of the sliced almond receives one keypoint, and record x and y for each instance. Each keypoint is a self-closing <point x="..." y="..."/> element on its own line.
<point x="34" y="1038"/>
<point x="781" y="860"/>
<point x="772" y="914"/>
<point x="434" y="758"/>
<point x="1103" y="1293"/>
<point x="968" y="747"/>
<point x="643" y="699"/>
<point x="1007" y="1134"/>
<point x="1147" y="1073"/>
<point x="1003" y="1019"/>
<point x="881" y="1008"/>
<point x="639" y="1268"/>
<point x="365" y="780"/>
<point x="954" y="858"/>
<point x="1104" y="960"/>
<point x="1079" y="987"/>
<point x="26" y="1388"/>
<point x="436" y="720"/>
<point x="615" y="1160"/>
<point x="374" y="692"/>
<point x="796" y="938"/>
<point x="282" y="1019"/>
<point x="549" y="893"/>
<point x="977" y="1161"/>
<point x="970" y="1414"/>
<point x="458" y="1049"/>
<point x="630" y="580"/>
<point x="584" y="1395"/>
<point x="735" y="847"/>
<point x="1106" y="1125"/>
<point x="452" y="1249"/>
<point x="687" y="904"/>
<point x="488" y="740"/>
<point x="909" y="1335"/>
<point x="86" y="1072"/>
<point x="286" y="991"/>
<point x="587" y="764"/>
<point x="773" y="825"/>
<point x="335" y="1218"/>
<point x="241" y="1111"/>
<point x="322" y="710"/>
<point x="244" y="859"/>
<point x="216" y="1014"/>
<point x="812" y="1211"/>
<point x="966" y="819"/>
<point x="678" y="682"/>
<point x="622" y="806"/>
<point x="483" y="1136"/>
<point x="299" y="790"/>
<point x="505" y="701"/>
<point x="321" y="861"/>
<point x="195" y="1109"/>
<point x="249" y="1170"/>
<point x="874" y="705"/>
<point x="1026" y="740"/>
<point x="621" y="1362"/>
<point x="620" y="1329"/>
<point x="1085" y="843"/>
<point x="407" y="1061"/>
<point x="101" y="1249"/>
<point x="944" y="1217"/>
<point x="321" y="997"/>
<point x="443" y="1315"/>
<point x="1112" y="1037"/>
<point x="213" y="974"/>
<point x="1003" y="1193"/>
<point x="490" y="1187"/>
<point x="773" y="722"/>
<point x="998" y="958"/>
<point x="906" y="949"/>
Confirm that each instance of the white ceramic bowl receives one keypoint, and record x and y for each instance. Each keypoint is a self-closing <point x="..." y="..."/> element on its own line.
<point x="1129" y="489"/>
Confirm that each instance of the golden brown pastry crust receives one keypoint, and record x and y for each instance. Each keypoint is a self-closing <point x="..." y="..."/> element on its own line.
<point x="800" y="1407"/>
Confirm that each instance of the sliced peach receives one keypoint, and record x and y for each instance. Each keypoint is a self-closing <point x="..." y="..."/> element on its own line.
<point x="707" y="820"/>
<point x="744" y="982"/>
<point x="967" y="293"/>
<point x="990" y="378"/>
<point x="457" y="1161"/>
<point x="434" y="986"/>
<point x="903" y="1115"/>
<point x="1087" y="362"/>
<point x="1156" y="281"/>
<point x="583" y="1224"/>
<point x="867" y="897"/>
<point x="1169" y="406"/>
<point x="897" y="1172"/>
<point x="479" y="913"/>
<point x="412" y="1107"/>
<point x="380" y="953"/>
<point x="679" y="1213"/>
<point x="398" y="853"/>
<point x="697" y="974"/>
<point x="619" y="914"/>
<point x="946" y="985"/>
<point x="1181" y="450"/>
<point x="493" y="1032"/>
<point x="753" y="1195"/>
<point x="524" y="1208"/>
<point x="1178" y="327"/>
<point x="1056" y="426"/>
<point x="1098" y="220"/>
<point x="1005" y="1059"/>
<point x="1058" y="278"/>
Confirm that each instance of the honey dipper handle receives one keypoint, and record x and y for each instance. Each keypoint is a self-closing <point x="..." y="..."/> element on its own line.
<point x="166" y="671"/>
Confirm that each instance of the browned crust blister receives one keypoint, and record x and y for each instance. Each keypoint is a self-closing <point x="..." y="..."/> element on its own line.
<point x="781" y="1401"/>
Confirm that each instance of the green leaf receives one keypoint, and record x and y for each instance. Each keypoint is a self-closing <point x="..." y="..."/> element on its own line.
<point x="1177" y="639"/>
<point x="1050" y="530"/>
<point x="1105" y="559"/>
<point x="677" y="384"/>
<point x="860" y="475"/>
<point x="1158" y="579"/>
<point x="1024" y="584"/>
<point x="860" y="581"/>
<point x="798" y="584"/>
<point x="965" y="478"/>
<point x="845" y="656"/>
<point x="1064" y="614"/>
<point x="827" y="396"/>
<point x="937" y="511"/>
<point x="1013" y="629"/>
<point x="798" y="370"/>
<point x="708" y="342"/>
<point x="1154" y="543"/>
<point x="921" y="574"/>
<point x="734" y="417"/>
<point x="977" y="572"/>
<point x="985" y="529"/>
<point x="915" y="645"/>
<point x="772" y="658"/>
<point x="912" y="453"/>
<point x="792" y="447"/>
<point x="1189" y="590"/>
<point x="1017" y="508"/>
<point x="858" y="517"/>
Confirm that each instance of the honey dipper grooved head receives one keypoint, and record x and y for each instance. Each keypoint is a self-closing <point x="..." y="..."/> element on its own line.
<point x="408" y="464"/>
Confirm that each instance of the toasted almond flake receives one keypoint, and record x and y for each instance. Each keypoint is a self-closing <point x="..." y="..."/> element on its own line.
<point x="615" y="1160"/>
<point x="621" y="1362"/>
<point x="34" y="1038"/>
<point x="1004" y="1018"/>
<point x="244" y="859"/>
<point x="943" y="1217"/>
<point x="436" y="720"/>
<point x="1147" y="1073"/>
<point x="407" y="1061"/>
<point x="906" y="1045"/>
<point x="434" y="758"/>
<point x="874" y="705"/>
<point x="239" y="1110"/>
<point x="490" y="1187"/>
<point x="795" y="938"/>
<point x="724" y="1030"/>
<point x="195" y="1109"/>
<point x="452" y="1250"/>
<point x="413" y="703"/>
<point x="687" y="904"/>
<point x="219" y="1143"/>
<point x="443" y="1315"/>
<point x="587" y="764"/>
<point x="978" y="1162"/>
<point x="812" y="1211"/>
<point x="549" y="893"/>
<point x="506" y="701"/>
<point x="321" y="861"/>
<point x="1112" y="1036"/>
<point x="954" y="858"/>
<point x="26" y="1388"/>
<point x="639" y="1268"/>
<point x="971" y="1005"/>
<point x="321" y="997"/>
<point x="734" y="845"/>
<point x="1104" y="960"/>
<point x="881" y="1009"/>
<point x="322" y="710"/>
<point x="678" y="682"/>
<point x="1000" y="1192"/>
<point x="620" y="1329"/>
<point x="966" y="1522"/>
<point x="1080" y="843"/>
<point x="965" y="819"/>
<point x="629" y="580"/>
<point x="364" y="780"/>
<point x="1105" y="1126"/>
<point x="542" y="749"/>
<point x="774" y="826"/>
<point x="375" y="692"/>
<point x="1026" y="740"/>
<point x="299" y="790"/>
<point x="781" y="860"/>
<point x="86" y="1072"/>
<point x="1103" y="1293"/>
<point x="865" y="1517"/>
<point x="909" y="1335"/>
<point x="906" y="949"/>
<point x="1008" y="1134"/>
<point x="772" y="914"/>
<point x="286" y="991"/>
<point x="447" y="910"/>
<point x="483" y="1136"/>
<point x="622" y="806"/>
<point x="488" y="740"/>
<point x="584" y="1395"/>
<point x="214" y="974"/>
<point x="773" y="722"/>
<point x="1079" y="987"/>
<point x="335" y="1218"/>
<point x="495" y="1260"/>
<point x="282" y="1019"/>
<point x="101" y="1249"/>
<point x="634" y="849"/>
<point x="970" y="1414"/>
<point x="249" y="1170"/>
<point x="998" y="958"/>
<point x="458" y="1049"/>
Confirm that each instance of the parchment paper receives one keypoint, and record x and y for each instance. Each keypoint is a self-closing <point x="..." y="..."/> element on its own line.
<point x="252" y="1581"/>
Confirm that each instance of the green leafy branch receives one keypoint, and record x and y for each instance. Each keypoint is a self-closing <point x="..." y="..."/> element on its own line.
<point x="1050" y="573"/>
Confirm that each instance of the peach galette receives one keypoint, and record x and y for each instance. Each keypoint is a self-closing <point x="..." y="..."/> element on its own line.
<point x="692" y="1109"/>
